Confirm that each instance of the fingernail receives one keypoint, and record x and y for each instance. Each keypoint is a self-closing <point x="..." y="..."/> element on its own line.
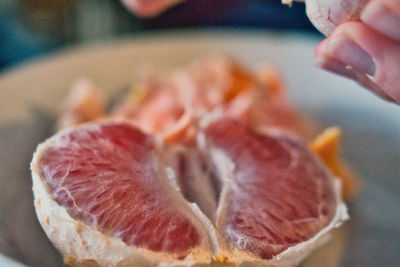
<point x="334" y="65"/>
<point x="351" y="54"/>
<point x="382" y="20"/>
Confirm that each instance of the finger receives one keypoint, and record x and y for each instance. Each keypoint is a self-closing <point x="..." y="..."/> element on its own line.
<point x="328" y="62"/>
<point x="368" y="52"/>
<point x="148" y="8"/>
<point x="383" y="16"/>
<point x="332" y="64"/>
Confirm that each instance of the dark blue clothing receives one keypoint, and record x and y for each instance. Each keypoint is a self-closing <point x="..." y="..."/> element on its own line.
<point x="247" y="13"/>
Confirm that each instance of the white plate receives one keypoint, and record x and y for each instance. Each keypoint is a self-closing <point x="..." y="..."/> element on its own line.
<point x="30" y="93"/>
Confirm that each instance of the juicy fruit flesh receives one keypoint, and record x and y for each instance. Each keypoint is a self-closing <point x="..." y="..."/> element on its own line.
<point x="280" y="195"/>
<point x="107" y="177"/>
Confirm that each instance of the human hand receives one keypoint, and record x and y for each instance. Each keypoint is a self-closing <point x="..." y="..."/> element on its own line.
<point x="363" y="42"/>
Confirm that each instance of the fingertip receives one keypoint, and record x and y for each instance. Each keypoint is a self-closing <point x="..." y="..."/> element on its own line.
<point x="334" y="65"/>
<point x="328" y="62"/>
<point x="321" y="48"/>
<point x="351" y="53"/>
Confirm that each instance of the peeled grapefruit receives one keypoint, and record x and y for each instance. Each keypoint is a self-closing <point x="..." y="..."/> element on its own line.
<point x="207" y="167"/>
<point x="108" y="194"/>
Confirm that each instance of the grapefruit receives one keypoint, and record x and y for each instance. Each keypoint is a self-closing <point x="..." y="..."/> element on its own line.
<point x="204" y="168"/>
<point x="108" y="194"/>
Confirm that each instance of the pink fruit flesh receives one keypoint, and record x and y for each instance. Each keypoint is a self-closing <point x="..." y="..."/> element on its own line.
<point x="106" y="176"/>
<point x="280" y="195"/>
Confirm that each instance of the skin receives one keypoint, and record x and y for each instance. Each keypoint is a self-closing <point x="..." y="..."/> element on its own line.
<point x="363" y="39"/>
<point x="363" y="42"/>
<point x="148" y="8"/>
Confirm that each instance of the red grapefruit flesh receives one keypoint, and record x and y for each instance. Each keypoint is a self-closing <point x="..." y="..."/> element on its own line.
<point x="279" y="195"/>
<point x="107" y="175"/>
<point x="112" y="178"/>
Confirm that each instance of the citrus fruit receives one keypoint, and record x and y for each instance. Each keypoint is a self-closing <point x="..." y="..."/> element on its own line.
<point x="326" y="15"/>
<point x="108" y="194"/>
<point x="204" y="168"/>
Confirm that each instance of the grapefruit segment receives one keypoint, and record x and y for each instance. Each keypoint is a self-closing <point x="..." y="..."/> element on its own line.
<point x="278" y="195"/>
<point x="109" y="176"/>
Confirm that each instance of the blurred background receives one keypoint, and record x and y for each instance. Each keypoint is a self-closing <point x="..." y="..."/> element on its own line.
<point x="32" y="28"/>
<point x="29" y="28"/>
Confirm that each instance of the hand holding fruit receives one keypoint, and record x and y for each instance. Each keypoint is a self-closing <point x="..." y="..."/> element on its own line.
<point x="363" y="42"/>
